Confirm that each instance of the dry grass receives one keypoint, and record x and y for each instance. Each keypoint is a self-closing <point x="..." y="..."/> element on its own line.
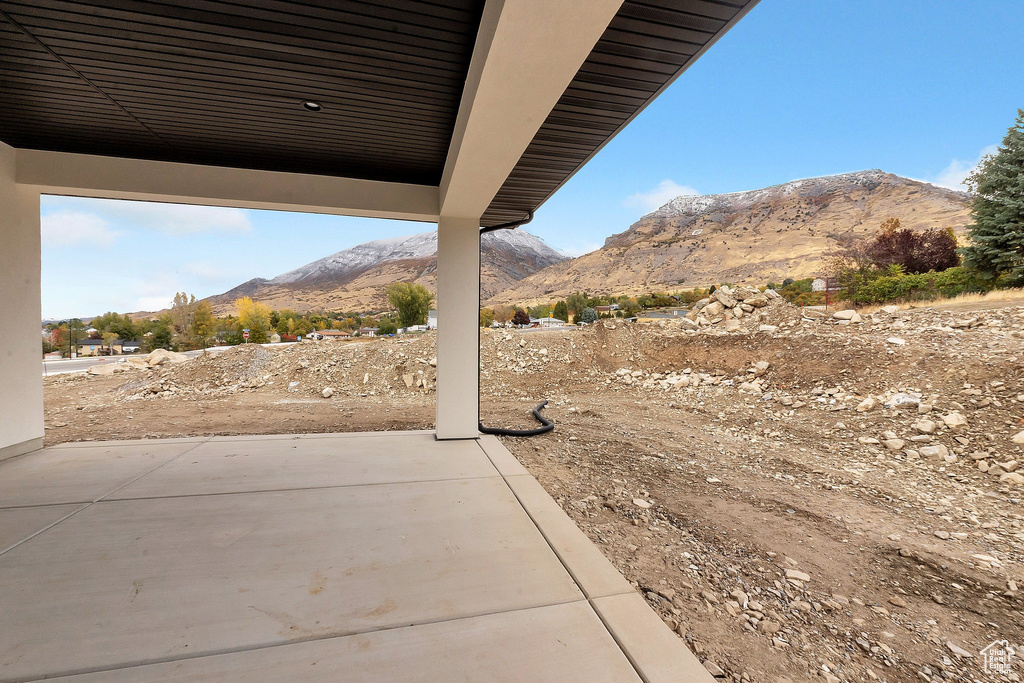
<point x="992" y="299"/>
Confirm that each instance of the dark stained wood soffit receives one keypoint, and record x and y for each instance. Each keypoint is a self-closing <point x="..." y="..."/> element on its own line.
<point x="221" y="82"/>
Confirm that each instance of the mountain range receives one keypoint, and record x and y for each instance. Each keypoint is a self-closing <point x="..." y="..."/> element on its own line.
<point x="694" y="240"/>
<point x="354" y="279"/>
<point x="746" y="237"/>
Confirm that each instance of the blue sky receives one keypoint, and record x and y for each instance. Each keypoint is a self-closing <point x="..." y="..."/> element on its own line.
<point x="798" y="88"/>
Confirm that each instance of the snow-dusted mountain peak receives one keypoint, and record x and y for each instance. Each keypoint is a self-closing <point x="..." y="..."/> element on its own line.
<point x="806" y="187"/>
<point x="359" y="258"/>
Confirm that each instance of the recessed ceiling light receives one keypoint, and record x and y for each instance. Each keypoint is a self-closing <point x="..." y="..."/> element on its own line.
<point x="311" y="106"/>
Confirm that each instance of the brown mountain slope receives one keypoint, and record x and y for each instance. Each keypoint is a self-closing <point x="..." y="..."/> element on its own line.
<point x="355" y="279"/>
<point x="745" y="237"/>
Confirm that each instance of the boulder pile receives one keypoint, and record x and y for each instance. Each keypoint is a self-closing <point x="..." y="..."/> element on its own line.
<point x="740" y="309"/>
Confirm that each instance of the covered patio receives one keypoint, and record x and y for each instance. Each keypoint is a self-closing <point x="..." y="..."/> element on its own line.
<point x="357" y="557"/>
<point x="401" y="556"/>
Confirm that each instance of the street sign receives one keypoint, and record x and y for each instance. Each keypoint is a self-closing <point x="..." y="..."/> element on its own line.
<point x="245" y="334"/>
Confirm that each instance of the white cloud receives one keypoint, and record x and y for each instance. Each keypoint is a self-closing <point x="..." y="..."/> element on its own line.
<point x="177" y="219"/>
<point x="92" y="220"/>
<point x="666" y="191"/>
<point x="70" y="228"/>
<point x="954" y="175"/>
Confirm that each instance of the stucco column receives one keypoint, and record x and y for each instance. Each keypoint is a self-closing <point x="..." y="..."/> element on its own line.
<point x="458" y="327"/>
<point x="21" y="384"/>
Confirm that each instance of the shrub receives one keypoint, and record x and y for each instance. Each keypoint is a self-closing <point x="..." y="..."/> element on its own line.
<point x="876" y="286"/>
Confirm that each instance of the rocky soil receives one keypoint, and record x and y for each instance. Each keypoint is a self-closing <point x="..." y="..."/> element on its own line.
<point x="801" y="495"/>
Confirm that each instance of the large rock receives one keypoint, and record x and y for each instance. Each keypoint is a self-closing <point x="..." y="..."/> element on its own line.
<point x="955" y="421"/>
<point x="724" y="298"/>
<point x="867" y="405"/>
<point x="101" y="370"/>
<point x="849" y="315"/>
<point x="713" y="309"/>
<point x="757" y="301"/>
<point x="936" y="452"/>
<point x="162" y="356"/>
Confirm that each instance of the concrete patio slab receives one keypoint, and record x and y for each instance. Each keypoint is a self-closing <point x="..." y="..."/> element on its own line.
<point x="366" y="557"/>
<point x="325" y="435"/>
<point x="593" y="572"/>
<point x="555" y="643"/>
<point x="130" y="582"/>
<point x="276" y="464"/>
<point x="18" y="524"/>
<point x="81" y="475"/>
<point x="129" y="442"/>
<point x="502" y="459"/>
<point x="653" y="649"/>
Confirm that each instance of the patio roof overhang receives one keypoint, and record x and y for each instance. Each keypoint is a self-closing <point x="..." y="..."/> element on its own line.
<point x="410" y="93"/>
<point x="469" y="113"/>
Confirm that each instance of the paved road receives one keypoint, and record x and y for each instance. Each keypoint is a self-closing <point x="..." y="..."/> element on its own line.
<point x="63" y="365"/>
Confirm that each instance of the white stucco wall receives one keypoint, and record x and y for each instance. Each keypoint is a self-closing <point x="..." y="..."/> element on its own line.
<point x="21" y="386"/>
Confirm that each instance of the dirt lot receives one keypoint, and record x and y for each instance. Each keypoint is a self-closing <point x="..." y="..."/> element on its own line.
<point x="822" y="500"/>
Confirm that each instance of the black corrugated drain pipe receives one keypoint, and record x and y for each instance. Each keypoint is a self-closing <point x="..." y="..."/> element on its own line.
<point x="546" y="424"/>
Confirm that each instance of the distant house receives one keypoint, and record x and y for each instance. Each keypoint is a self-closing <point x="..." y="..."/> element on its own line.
<point x="432" y="319"/>
<point x="331" y="334"/>
<point x="369" y="331"/>
<point x="603" y="309"/>
<point x="130" y="346"/>
<point x="97" y="347"/>
<point x="818" y="285"/>
<point x="547" y="322"/>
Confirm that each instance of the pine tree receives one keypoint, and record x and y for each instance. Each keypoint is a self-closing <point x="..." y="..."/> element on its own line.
<point x="997" y="233"/>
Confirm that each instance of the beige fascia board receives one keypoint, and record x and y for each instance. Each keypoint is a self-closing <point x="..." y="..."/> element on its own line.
<point x="526" y="54"/>
<point x="87" y="175"/>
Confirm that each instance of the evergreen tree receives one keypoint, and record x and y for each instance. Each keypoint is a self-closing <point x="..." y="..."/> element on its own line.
<point x="997" y="233"/>
<point x="561" y="311"/>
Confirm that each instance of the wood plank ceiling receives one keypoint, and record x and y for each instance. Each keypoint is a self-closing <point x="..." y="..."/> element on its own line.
<point x="223" y="82"/>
